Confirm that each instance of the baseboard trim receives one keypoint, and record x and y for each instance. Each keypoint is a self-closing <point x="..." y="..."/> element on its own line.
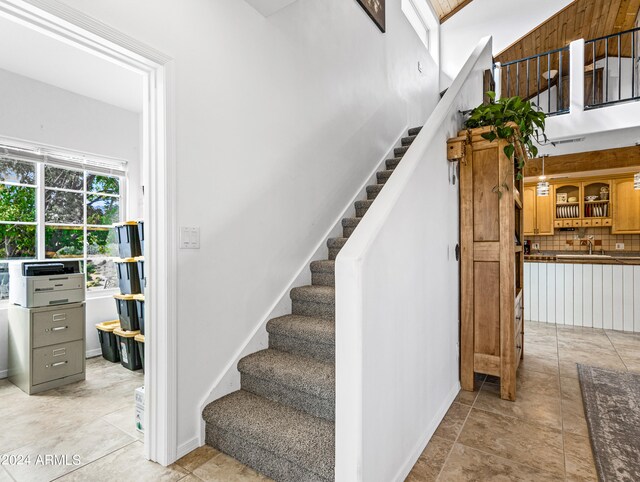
<point x="188" y="446"/>
<point x="93" y="353"/>
<point x="4" y="373"/>
<point x="428" y="433"/>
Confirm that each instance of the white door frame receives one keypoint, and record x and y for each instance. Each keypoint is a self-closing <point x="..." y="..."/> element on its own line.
<point x="73" y="27"/>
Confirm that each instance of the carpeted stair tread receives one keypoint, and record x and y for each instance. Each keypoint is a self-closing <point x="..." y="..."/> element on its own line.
<point x="293" y="371"/>
<point x="391" y="164"/>
<point x="323" y="272"/>
<point x="336" y="242"/>
<point x="309" y="336"/>
<point x="383" y="176"/>
<point x="406" y="141"/>
<point x="307" y="328"/>
<point x="373" y="190"/>
<point x="362" y="207"/>
<point x="350" y="222"/>
<point x="317" y="294"/>
<point x="400" y="151"/>
<point x="323" y="266"/>
<point x="287" y="433"/>
<point x="414" y="131"/>
<point x="335" y="245"/>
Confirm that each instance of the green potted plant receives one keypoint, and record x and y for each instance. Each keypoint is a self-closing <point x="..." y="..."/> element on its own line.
<point x="512" y="119"/>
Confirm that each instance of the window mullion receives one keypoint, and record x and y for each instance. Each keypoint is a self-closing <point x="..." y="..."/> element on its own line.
<point x="40" y="211"/>
<point x="86" y="233"/>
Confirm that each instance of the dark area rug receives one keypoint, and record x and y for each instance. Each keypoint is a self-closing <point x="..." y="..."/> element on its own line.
<point x="612" y="406"/>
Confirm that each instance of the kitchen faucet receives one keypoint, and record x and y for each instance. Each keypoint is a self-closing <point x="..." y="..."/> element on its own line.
<point x="590" y="241"/>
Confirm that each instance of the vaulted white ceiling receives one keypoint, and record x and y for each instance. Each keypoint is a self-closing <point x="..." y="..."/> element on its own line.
<point x="32" y="54"/>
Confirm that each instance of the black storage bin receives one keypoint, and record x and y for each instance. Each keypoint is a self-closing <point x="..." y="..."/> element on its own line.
<point x="129" y="353"/>
<point x="142" y="276"/>
<point x="127" y="312"/>
<point x="108" y="340"/>
<point x="141" y="236"/>
<point x="140" y="309"/>
<point x="128" y="276"/>
<point x="140" y="341"/>
<point x="128" y="241"/>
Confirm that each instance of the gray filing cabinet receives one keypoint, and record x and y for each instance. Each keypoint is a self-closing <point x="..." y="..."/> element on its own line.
<point x="46" y="346"/>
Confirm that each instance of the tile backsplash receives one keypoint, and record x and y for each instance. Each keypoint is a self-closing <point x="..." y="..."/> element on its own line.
<point x="602" y="239"/>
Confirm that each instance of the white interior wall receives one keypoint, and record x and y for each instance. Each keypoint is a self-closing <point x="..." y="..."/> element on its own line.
<point x="279" y="120"/>
<point x="41" y="113"/>
<point x="501" y="19"/>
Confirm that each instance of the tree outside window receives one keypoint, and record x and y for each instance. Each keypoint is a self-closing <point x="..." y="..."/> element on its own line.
<point x="80" y="209"/>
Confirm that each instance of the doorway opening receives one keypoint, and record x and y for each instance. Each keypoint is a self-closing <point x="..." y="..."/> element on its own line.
<point x="85" y="50"/>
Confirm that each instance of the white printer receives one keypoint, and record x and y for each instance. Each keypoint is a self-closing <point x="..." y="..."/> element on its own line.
<point x="45" y="283"/>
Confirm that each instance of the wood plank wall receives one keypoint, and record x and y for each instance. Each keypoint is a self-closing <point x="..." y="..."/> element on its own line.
<point x="588" y="295"/>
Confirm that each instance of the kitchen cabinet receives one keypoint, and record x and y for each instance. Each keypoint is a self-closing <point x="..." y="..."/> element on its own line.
<point x="626" y="207"/>
<point x="538" y="213"/>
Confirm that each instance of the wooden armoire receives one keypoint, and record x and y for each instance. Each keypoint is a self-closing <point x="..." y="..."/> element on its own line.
<point x="492" y="262"/>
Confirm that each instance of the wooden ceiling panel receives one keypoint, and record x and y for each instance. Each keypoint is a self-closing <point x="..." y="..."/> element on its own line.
<point x="586" y="19"/>
<point x="445" y="9"/>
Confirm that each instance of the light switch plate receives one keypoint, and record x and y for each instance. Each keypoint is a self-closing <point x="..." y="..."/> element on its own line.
<point x="619" y="245"/>
<point x="535" y="246"/>
<point x="189" y="237"/>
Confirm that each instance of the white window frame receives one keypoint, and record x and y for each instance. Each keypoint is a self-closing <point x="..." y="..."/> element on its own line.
<point x="414" y="15"/>
<point x="40" y="187"/>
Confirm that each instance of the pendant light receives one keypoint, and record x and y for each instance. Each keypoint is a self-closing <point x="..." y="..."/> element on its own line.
<point x="543" y="185"/>
<point x="636" y="181"/>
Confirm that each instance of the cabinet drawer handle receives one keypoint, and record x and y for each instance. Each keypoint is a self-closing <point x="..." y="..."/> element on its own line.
<point x="60" y="363"/>
<point x="59" y="328"/>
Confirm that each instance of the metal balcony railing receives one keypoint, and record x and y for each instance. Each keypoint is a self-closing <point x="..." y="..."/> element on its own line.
<point x="542" y="78"/>
<point x="611" y="69"/>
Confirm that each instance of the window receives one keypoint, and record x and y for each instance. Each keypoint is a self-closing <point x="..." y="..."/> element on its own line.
<point x="49" y="211"/>
<point x="416" y="20"/>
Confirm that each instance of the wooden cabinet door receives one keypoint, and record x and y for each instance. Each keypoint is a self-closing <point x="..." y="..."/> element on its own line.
<point x="529" y="207"/>
<point x="544" y="214"/>
<point x="625" y="207"/>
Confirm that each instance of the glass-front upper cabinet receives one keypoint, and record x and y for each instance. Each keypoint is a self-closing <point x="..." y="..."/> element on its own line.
<point x="596" y="208"/>
<point x="567" y="199"/>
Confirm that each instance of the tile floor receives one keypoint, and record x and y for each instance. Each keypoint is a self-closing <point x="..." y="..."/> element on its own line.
<point x="543" y="434"/>
<point x="94" y="420"/>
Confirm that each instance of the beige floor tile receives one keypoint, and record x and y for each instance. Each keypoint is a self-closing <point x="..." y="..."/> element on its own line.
<point x="88" y="442"/>
<point x="537" y="363"/>
<point x="125" y="420"/>
<point x="4" y="476"/>
<point x="467" y="464"/>
<point x="539" y="328"/>
<point x="622" y="339"/>
<point x="197" y="457"/>
<point x="517" y="440"/>
<point x="223" y="468"/>
<point x="431" y="461"/>
<point x="573" y="417"/>
<point x="531" y="404"/>
<point x="453" y="421"/>
<point x="126" y="464"/>
<point x="579" y="458"/>
<point x="467" y="398"/>
<point x="190" y="478"/>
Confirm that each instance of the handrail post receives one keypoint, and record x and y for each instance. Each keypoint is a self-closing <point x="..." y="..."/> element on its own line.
<point x="497" y="78"/>
<point x="576" y="76"/>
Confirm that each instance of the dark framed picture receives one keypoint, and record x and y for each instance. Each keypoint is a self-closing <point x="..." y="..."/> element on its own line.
<point x="375" y="10"/>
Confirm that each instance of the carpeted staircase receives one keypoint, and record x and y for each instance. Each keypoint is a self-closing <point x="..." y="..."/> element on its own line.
<point x="281" y="422"/>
